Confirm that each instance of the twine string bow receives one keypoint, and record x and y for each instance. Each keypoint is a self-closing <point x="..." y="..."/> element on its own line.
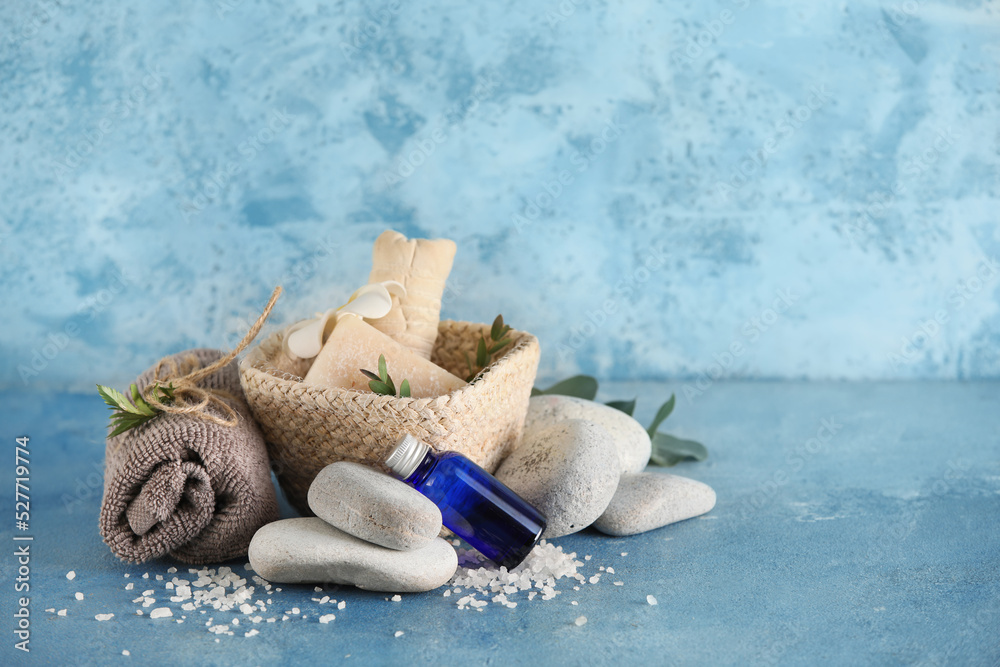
<point x="175" y="387"/>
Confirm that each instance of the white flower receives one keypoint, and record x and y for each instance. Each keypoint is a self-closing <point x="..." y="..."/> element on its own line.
<point x="305" y="339"/>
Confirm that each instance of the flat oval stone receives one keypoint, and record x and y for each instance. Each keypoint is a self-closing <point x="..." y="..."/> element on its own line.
<point x="373" y="506"/>
<point x="648" y="500"/>
<point x="309" y="550"/>
<point x="629" y="436"/>
<point x="569" y="471"/>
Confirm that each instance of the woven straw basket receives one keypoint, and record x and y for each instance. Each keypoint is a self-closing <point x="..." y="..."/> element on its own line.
<point x="308" y="427"/>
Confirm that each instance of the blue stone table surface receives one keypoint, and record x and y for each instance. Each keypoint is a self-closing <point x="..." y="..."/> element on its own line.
<point x="855" y="524"/>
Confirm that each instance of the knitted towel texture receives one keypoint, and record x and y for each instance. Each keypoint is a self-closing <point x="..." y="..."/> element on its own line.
<point x="183" y="486"/>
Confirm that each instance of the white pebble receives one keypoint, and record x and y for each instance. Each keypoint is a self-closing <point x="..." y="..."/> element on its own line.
<point x="104" y="617"/>
<point x="651" y="600"/>
<point x="161" y="612"/>
<point x="326" y="618"/>
<point x="79" y="596"/>
<point x="71" y="575"/>
<point x="581" y="620"/>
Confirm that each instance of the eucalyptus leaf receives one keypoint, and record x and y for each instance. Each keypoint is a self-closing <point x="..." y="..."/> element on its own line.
<point x="661" y="414"/>
<point x="370" y="375"/>
<point x="482" y="354"/>
<point x="496" y="331"/>
<point x="580" y="386"/>
<point x="628" y="407"/>
<point x="380" y="387"/>
<point x="668" y="450"/>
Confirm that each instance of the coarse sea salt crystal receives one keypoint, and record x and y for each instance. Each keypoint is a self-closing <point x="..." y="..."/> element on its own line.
<point x="251" y="632"/>
<point x="396" y="598"/>
<point x="580" y="620"/>
<point x="126" y="653"/>
<point x="61" y="612"/>
<point x="651" y="600"/>
<point x="79" y="596"/>
<point x="341" y="604"/>
<point x="161" y="612"/>
<point x="326" y="618"/>
<point x="399" y="633"/>
<point x="71" y="575"/>
<point x="104" y="617"/>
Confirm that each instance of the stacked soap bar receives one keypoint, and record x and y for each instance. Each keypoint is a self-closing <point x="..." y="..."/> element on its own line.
<point x="354" y="344"/>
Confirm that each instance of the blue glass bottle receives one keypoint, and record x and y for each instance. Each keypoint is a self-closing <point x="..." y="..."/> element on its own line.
<point x="474" y="504"/>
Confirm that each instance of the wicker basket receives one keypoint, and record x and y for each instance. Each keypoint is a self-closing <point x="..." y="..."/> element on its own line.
<point x="308" y="427"/>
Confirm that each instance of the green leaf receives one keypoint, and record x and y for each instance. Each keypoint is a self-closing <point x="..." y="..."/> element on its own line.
<point x="496" y="331"/>
<point x="370" y="375"/>
<point x="580" y="386"/>
<point x="383" y="370"/>
<point x="535" y="391"/>
<point x="499" y="346"/>
<point x="668" y="450"/>
<point x="468" y="361"/>
<point x="380" y="387"/>
<point x="661" y="414"/>
<point x="404" y="389"/>
<point x="482" y="355"/>
<point x="628" y="407"/>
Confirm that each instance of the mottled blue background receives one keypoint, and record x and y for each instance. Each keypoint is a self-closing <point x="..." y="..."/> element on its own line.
<point x="637" y="183"/>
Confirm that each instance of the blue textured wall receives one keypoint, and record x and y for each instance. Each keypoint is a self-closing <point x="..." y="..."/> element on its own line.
<point x="697" y="190"/>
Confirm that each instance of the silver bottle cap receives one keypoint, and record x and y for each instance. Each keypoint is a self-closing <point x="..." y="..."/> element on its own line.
<point x="406" y="456"/>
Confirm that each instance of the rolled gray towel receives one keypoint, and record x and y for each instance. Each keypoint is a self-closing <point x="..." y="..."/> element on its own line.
<point x="184" y="486"/>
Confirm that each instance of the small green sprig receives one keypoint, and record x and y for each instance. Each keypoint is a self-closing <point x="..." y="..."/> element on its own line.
<point x="487" y="349"/>
<point x="667" y="450"/>
<point x="382" y="383"/>
<point x="128" y="414"/>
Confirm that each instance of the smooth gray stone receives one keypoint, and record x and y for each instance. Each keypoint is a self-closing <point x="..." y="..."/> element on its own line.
<point x="569" y="471"/>
<point x="648" y="500"/>
<point x="373" y="506"/>
<point x="299" y="551"/>
<point x="629" y="436"/>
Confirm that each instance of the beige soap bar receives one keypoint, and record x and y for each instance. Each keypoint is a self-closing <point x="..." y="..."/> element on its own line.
<point x="354" y="344"/>
<point x="422" y="267"/>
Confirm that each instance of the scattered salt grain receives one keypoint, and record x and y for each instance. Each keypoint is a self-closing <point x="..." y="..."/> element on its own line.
<point x="159" y="577"/>
<point x="611" y="570"/>
<point x="399" y="633"/>
<point x="619" y="583"/>
<point x="341" y="604"/>
<point x="580" y="621"/>
<point x="129" y="586"/>
<point x="161" y="612"/>
<point x="624" y="553"/>
<point x="79" y="596"/>
<point x="586" y="557"/>
<point x="52" y="610"/>
<point x="396" y="598"/>
<point x="104" y="617"/>
<point x="318" y="589"/>
<point x="651" y="601"/>
<point x="61" y="612"/>
<point x="171" y="570"/>
<point x="127" y="575"/>
<point x="145" y="575"/>
<point x="251" y="633"/>
<point x="71" y="575"/>
<point x="126" y="653"/>
<point x="326" y="618"/>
